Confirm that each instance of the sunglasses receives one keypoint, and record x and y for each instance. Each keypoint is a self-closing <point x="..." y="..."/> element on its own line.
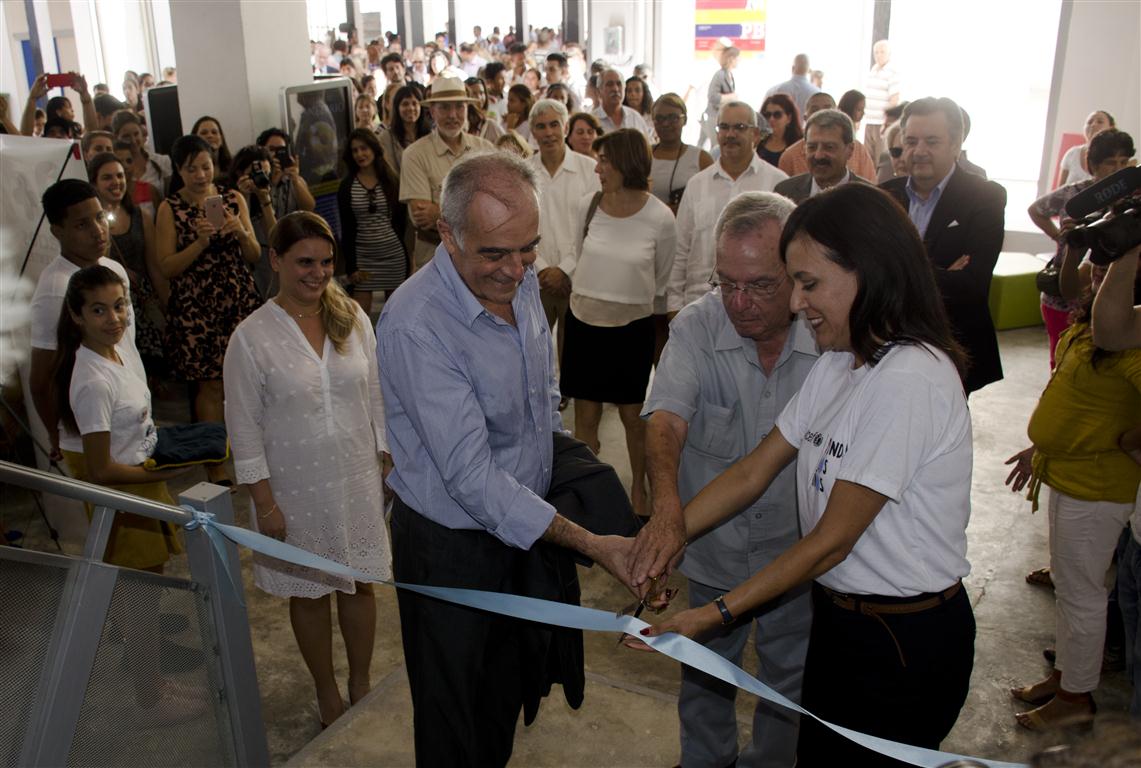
<point x="771" y="115"/>
<point x="896" y="152"/>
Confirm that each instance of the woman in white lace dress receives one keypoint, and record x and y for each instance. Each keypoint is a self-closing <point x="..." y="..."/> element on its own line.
<point x="306" y="422"/>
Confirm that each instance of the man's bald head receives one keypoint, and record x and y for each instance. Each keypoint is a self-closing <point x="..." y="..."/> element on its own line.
<point x="817" y="102"/>
<point x="800" y="64"/>
<point x="486" y="189"/>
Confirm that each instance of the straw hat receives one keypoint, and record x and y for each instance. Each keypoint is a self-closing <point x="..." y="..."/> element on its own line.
<point x="448" y="89"/>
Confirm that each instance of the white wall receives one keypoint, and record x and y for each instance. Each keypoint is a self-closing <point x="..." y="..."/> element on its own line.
<point x="12" y="80"/>
<point x="234" y="59"/>
<point x="1099" y="68"/>
<point x="276" y="55"/>
<point x="124" y="30"/>
<point x="635" y="18"/>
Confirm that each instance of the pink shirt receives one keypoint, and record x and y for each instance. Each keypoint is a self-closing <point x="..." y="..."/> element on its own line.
<point x="794" y="160"/>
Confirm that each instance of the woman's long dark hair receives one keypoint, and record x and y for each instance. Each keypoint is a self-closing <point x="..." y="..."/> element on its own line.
<point x="423" y="123"/>
<point x="222" y="158"/>
<point x="792" y="132"/>
<point x="182" y="151"/>
<point x="69" y="335"/>
<point x="368" y="137"/>
<point x="523" y="93"/>
<point x="864" y="231"/>
<point x="96" y="165"/>
<point x="647" y="106"/>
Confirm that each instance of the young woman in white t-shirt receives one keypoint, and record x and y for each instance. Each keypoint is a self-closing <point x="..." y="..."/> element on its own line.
<point x="105" y="408"/>
<point x="881" y="437"/>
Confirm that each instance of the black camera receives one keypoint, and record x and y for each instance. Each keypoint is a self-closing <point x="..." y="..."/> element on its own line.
<point x="284" y="159"/>
<point x="1109" y="215"/>
<point x="259" y="177"/>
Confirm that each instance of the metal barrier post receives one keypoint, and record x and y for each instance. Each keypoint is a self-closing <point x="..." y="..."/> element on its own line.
<point x="68" y="662"/>
<point x="231" y="622"/>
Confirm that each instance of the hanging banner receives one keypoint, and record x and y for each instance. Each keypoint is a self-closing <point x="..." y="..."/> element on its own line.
<point x="741" y="21"/>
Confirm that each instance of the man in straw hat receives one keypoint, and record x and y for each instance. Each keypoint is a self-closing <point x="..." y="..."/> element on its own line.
<point x="427" y="161"/>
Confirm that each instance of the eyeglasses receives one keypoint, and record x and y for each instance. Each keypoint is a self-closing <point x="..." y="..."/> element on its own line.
<point x="896" y="152"/>
<point x="758" y="289"/>
<point x="672" y="118"/>
<point x="770" y="115"/>
<point x="738" y="127"/>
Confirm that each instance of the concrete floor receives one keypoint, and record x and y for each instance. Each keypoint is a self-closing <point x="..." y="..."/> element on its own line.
<point x="629" y="715"/>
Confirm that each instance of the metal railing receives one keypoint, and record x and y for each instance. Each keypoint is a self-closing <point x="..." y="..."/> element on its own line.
<point x="73" y="624"/>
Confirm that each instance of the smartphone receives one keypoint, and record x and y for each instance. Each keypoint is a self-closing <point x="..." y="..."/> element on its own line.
<point x="283" y="157"/>
<point x="60" y="81"/>
<point x="215" y="211"/>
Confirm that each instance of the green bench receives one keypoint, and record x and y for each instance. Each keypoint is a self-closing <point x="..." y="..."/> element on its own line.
<point x="1014" y="300"/>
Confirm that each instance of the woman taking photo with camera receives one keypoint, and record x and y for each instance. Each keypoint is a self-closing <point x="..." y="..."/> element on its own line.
<point x="250" y="174"/>
<point x="881" y="437"/>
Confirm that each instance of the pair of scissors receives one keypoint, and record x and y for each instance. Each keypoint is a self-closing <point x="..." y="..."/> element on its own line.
<point x="635" y="609"/>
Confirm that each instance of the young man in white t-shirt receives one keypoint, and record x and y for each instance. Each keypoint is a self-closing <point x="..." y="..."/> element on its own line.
<point x="78" y="222"/>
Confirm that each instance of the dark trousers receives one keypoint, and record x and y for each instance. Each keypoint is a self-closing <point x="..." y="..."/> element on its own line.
<point x="463" y="664"/>
<point x="854" y="677"/>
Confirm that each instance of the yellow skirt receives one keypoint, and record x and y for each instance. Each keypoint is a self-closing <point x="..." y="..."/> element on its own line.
<point x="136" y="541"/>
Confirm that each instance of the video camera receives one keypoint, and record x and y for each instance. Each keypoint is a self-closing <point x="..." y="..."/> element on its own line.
<point x="1109" y="216"/>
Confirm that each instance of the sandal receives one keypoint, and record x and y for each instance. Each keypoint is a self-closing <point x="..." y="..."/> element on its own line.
<point x="1058" y="713"/>
<point x="1040" y="577"/>
<point x="1036" y="694"/>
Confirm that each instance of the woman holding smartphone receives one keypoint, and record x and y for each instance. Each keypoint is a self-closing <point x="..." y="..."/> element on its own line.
<point x="207" y="249"/>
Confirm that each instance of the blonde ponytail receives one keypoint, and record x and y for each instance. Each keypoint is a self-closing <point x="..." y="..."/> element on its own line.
<point x="339" y="315"/>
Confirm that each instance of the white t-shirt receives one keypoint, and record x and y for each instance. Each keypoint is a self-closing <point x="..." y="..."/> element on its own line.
<point x="903" y="430"/>
<point x="1072" y="162"/>
<point x="47" y="301"/>
<point x="108" y="397"/>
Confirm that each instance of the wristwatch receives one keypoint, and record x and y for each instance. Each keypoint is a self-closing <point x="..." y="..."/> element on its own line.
<point x="726" y="616"/>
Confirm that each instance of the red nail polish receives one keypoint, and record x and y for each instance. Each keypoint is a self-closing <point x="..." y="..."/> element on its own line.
<point x="646" y="631"/>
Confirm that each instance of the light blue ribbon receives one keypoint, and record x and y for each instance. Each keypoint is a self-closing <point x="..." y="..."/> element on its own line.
<point x="677" y="647"/>
<point x="214" y="532"/>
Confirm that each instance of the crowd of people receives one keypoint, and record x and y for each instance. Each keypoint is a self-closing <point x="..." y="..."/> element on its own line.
<point x="813" y="308"/>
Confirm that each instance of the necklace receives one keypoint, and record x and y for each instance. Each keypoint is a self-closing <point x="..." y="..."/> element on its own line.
<point x="299" y="315"/>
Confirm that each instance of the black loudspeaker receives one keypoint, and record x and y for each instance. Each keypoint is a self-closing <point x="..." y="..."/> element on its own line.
<point x="164" y="120"/>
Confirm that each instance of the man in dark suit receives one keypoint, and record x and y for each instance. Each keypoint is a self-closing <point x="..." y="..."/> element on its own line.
<point x="960" y="217"/>
<point x="828" y="146"/>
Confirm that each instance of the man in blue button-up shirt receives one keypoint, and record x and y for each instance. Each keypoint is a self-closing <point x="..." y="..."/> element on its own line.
<point x="471" y="402"/>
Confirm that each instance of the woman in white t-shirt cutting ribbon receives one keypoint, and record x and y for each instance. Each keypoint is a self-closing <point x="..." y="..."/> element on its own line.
<point x="881" y="436"/>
